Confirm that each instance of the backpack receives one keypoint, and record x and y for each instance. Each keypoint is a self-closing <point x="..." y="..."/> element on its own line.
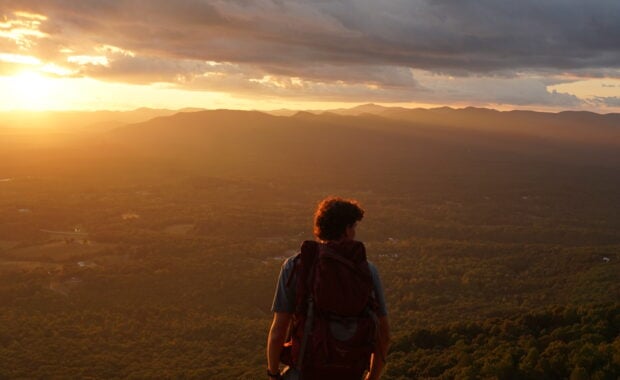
<point x="334" y="328"/>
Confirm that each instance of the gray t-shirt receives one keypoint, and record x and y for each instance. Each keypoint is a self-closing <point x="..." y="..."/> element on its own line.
<point x="284" y="298"/>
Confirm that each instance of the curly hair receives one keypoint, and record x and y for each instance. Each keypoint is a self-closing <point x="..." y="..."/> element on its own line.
<point x="333" y="215"/>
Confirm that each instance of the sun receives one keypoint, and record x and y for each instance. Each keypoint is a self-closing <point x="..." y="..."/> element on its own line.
<point x="32" y="90"/>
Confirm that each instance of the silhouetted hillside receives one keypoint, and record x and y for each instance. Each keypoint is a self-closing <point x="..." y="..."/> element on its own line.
<point x="410" y="140"/>
<point x="581" y="127"/>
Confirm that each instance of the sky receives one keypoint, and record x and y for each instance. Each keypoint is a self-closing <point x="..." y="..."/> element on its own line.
<point x="549" y="55"/>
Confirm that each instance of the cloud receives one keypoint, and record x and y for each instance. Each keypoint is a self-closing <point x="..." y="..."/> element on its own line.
<point x="143" y="70"/>
<point x="415" y="86"/>
<point x="316" y="86"/>
<point x="329" y="49"/>
<point x="458" y="37"/>
<point x="522" y="90"/>
<point x="609" y="101"/>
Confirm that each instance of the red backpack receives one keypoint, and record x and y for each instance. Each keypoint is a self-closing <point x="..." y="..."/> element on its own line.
<point x="334" y="328"/>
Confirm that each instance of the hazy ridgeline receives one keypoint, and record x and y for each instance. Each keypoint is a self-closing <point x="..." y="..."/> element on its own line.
<point x="151" y="249"/>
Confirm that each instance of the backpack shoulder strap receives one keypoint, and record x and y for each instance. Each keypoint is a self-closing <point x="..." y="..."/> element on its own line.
<point x="309" y="254"/>
<point x="303" y="261"/>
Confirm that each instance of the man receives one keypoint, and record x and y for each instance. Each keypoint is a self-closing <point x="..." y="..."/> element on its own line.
<point x="335" y="221"/>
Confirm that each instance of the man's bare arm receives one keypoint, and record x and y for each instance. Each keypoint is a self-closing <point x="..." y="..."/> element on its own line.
<point x="377" y="361"/>
<point x="277" y="336"/>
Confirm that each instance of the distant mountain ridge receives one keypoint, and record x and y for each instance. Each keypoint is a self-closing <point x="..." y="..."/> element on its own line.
<point x="574" y="126"/>
<point x="469" y="117"/>
<point x="439" y="142"/>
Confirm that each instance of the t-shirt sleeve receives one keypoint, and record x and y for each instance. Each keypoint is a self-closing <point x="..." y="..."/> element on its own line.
<point x="284" y="298"/>
<point x="378" y="290"/>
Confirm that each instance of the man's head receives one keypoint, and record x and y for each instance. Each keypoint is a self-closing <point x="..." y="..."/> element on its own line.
<point x="335" y="218"/>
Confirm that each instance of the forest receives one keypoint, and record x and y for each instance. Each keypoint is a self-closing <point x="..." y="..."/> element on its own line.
<point x="150" y="247"/>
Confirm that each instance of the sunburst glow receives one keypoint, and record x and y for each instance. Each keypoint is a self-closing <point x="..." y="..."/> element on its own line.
<point x="31" y="90"/>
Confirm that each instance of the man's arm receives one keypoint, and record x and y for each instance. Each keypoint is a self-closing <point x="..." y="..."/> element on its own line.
<point x="377" y="361"/>
<point x="277" y="336"/>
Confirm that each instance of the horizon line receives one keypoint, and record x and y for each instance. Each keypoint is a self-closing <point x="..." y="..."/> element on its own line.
<point x="311" y="110"/>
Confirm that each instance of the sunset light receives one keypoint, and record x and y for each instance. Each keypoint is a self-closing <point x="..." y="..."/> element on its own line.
<point x="306" y="56"/>
<point x="31" y="90"/>
<point x="316" y="190"/>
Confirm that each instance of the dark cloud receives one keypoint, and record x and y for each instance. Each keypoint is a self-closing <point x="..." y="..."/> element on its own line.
<point x="447" y="36"/>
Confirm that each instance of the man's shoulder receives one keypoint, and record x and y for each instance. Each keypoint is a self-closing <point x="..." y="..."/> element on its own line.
<point x="372" y="267"/>
<point x="289" y="262"/>
<point x="288" y="265"/>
